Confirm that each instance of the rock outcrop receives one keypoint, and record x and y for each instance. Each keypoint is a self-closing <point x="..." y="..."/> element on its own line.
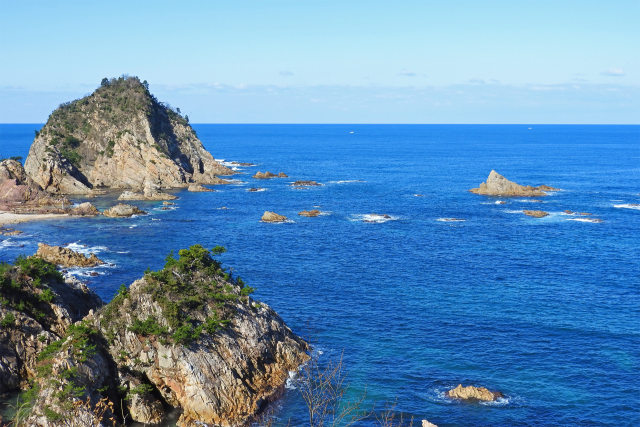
<point x="269" y="175"/>
<point x="122" y="211"/>
<point x="498" y="185"/>
<point x="84" y="209"/>
<point x="311" y="213"/>
<point x="535" y="214"/>
<point x="39" y="306"/>
<point x="119" y="137"/>
<point x="473" y="393"/>
<point x="268" y="216"/>
<point x="65" y="257"/>
<point x="198" y="188"/>
<point x="305" y="183"/>
<point x="147" y="194"/>
<point x="19" y="192"/>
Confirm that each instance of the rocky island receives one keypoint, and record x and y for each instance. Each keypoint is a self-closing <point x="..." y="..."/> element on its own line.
<point x="119" y="137"/>
<point x="188" y="336"/>
<point x="498" y="185"/>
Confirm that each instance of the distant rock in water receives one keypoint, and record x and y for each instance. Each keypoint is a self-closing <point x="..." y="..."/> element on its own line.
<point x="268" y="216"/>
<point x="498" y="185"/>
<point x="119" y="137"/>
<point x="121" y="210"/>
<point x="66" y="257"/>
<point x="149" y="193"/>
<point x="305" y="184"/>
<point x="19" y="191"/>
<point x="535" y="214"/>
<point x="269" y="175"/>
<point x="473" y="393"/>
<point x="85" y="209"/>
<point x="311" y="213"/>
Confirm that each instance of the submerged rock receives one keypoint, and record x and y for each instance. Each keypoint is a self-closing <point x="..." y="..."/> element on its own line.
<point x="305" y="183"/>
<point x="66" y="257"/>
<point x="498" y="185"/>
<point x="119" y="137"/>
<point x="121" y="210"/>
<point x="311" y="213"/>
<point x="473" y="393"/>
<point x="268" y="216"/>
<point x="535" y="214"/>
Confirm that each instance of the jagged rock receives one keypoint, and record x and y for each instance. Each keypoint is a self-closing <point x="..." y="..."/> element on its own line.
<point x="143" y="406"/>
<point x="268" y="216"/>
<point x="168" y="204"/>
<point x="254" y="190"/>
<point x="121" y="210"/>
<point x="19" y="192"/>
<point x="238" y="359"/>
<point x="535" y="214"/>
<point x="473" y="393"/>
<point x="9" y="231"/>
<point x="153" y="196"/>
<point x="36" y="313"/>
<point x="498" y="185"/>
<point x="198" y="188"/>
<point x="85" y="209"/>
<point x="269" y="175"/>
<point x="311" y="213"/>
<point x="66" y="257"/>
<point x="119" y="137"/>
<point x="305" y="184"/>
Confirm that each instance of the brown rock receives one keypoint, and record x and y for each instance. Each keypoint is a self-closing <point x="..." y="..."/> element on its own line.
<point x="568" y="212"/>
<point x="198" y="188"/>
<point x="265" y="175"/>
<point x="498" y="185"/>
<point x="305" y="184"/>
<point x="268" y="216"/>
<point x="473" y="393"/>
<point x="146" y="195"/>
<point x="168" y="203"/>
<point x="536" y="214"/>
<point x="66" y="257"/>
<point x="253" y="189"/>
<point x="121" y="210"/>
<point x="9" y="231"/>
<point x="85" y="209"/>
<point x="311" y="213"/>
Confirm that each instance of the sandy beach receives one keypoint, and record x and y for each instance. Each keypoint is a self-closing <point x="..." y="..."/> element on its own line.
<point x="14" y="218"/>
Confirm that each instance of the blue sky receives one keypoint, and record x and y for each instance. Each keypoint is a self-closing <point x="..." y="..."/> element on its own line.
<point x="306" y="61"/>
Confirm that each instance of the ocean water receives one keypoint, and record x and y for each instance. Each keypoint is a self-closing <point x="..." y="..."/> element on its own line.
<point x="545" y="310"/>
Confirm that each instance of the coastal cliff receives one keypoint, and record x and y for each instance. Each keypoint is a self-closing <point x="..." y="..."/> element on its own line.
<point x="19" y="192"/>
<point x="119" y="137"/>
<point x="188" y="336"/>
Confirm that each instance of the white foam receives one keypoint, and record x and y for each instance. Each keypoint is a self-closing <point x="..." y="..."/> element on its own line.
<point x="501" y="401"/>
<point x="8" y="243"/>
<point x="528" y="201"/>
<point x="291" y="379"/>
<point x="374" y="218"/>
<point x="259" y="190"/>
<point x="592" y="220"/>
<point x="634" y="206"/>
<point x="86" y="250"/>
<point x="512" y="211"/>
<point x="346" y="181"/>
<point x="451" y="220"/>
<point x="133" y="226"/>
<point x="236" y="181"/>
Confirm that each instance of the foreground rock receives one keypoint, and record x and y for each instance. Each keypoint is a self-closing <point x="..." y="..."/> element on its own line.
<point x="38" y="308"/>
<point x="198" y="188"/>
<point x="148" y="194"/>
<point x="123" y="211"/>
<point x="268" y="216"/>
<point x="498" y="185"/>
<point x="119" y="137"/>
<point x="269" y="175"/>
<point x="66" y="257"/>
<point x="535" y="214"/>
<point x="311" y="213"/>
<point x="473" y="393"/>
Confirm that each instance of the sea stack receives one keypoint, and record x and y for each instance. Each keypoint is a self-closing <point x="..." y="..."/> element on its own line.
<point x="498" y="185"/>
<point x="119" y="137"/>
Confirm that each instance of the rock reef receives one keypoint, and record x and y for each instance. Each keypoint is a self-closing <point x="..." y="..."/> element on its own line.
<point x="65" y="257"/>
<point x="535" y="214"/>
<point x="269" y="175"/>
<point x="311" y="213"/>
<point x="119" y="137"/>
<point x="268" y="216"/>
<point x="472" y="393"/>
<point x="498" y="185"/>
<point x="122" y="210"/>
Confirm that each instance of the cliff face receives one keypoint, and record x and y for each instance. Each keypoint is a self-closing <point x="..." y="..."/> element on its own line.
<point x="17" y="190"/>
<point x="188" y="336"/>
<point x="119" y="137"/>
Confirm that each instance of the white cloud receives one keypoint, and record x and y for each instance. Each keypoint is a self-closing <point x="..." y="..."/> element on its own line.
<point x="613" y="72"/>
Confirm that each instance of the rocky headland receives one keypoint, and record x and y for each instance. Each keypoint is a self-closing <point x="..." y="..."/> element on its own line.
<point x="498" y="185"/>
<point x="188" y="336"/>
<point x="66" y="257"/>
<point x="119" y="137"/>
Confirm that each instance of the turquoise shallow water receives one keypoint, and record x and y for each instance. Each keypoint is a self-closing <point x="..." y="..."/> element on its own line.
<point x="545" y="310"/>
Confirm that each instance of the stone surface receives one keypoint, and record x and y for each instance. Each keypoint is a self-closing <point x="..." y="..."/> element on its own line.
<point x="66" y="257"/>
<point x="311" y="213"/>
<point x="198" y="188"/>
<point x="147" y="195"/>
<point x="119" y="137"/>
<point x="269" y="175"/>
<point x="498" y="185"/>
<point x="268" y="216"/>
<point x="473" y="393"/>
<point x="121" y="210"/>
<point x="535" y="214"/>
<point x="426" y="423"/>
<point x="84" y="209"/>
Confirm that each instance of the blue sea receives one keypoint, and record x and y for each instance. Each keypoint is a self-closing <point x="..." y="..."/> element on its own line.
<point x="545" y="310"/>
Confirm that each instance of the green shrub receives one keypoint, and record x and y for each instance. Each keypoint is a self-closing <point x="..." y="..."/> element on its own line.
<point x="147" y="327"/>
<point x="8" y="320"/>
